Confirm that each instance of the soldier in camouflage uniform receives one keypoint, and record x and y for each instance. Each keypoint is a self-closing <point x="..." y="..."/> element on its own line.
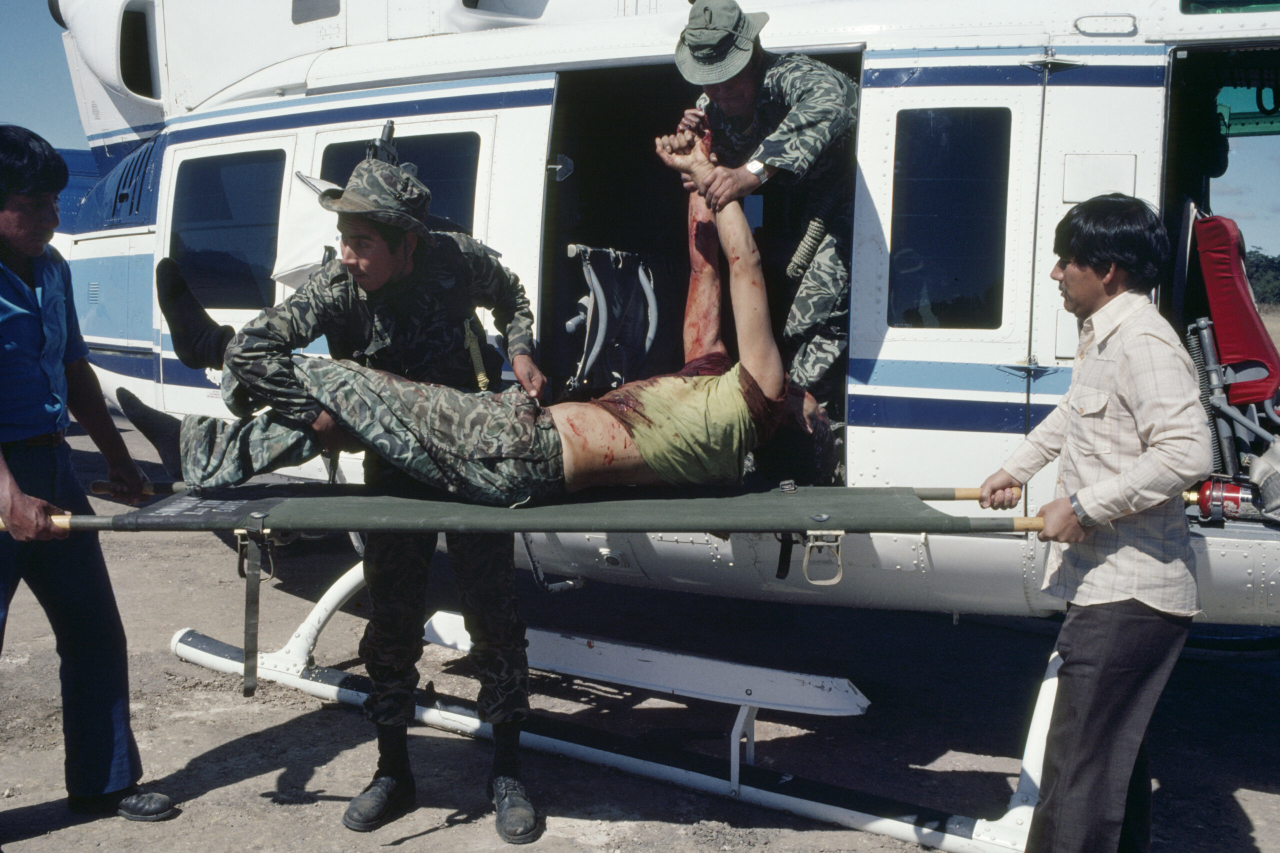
<point x="400" y="299"/>
<point x="790" y="120"/>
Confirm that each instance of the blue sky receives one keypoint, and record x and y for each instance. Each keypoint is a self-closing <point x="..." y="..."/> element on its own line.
<point x="37" y="90"/>
<point x="1249" y="192"/>
<point x="38" y="94"/>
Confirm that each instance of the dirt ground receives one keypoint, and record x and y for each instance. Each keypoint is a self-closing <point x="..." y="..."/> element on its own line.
<point x="273" y="773"/>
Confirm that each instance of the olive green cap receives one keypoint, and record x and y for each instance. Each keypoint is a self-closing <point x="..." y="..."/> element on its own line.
<point x="718" y="41"/>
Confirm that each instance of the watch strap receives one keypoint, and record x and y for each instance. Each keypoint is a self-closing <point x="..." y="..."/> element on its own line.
<point x="1085" y="520"/>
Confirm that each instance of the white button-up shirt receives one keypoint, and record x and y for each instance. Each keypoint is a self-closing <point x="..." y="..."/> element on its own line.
<point x="1130" y="434"/>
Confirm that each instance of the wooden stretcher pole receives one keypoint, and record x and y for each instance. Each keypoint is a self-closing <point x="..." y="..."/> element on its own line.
<point x="102" y="487"/>
<point x="63" y="521"/>
<point x="957" y="494"/>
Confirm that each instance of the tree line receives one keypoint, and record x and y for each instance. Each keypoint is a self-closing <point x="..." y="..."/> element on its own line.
<point x="1264" y="275"/>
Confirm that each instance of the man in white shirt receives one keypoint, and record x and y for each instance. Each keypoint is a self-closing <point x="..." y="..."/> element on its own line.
<point x="1129" y="436"/>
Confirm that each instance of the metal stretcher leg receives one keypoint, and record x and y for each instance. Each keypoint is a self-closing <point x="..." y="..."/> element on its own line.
<point x="744" y="724"/>
<point x="255" y="545"/>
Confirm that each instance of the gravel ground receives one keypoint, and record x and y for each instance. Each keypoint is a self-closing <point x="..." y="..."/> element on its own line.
<point x="273" y="773"/>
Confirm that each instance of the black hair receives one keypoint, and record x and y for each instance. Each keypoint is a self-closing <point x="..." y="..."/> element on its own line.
<point x="390" y="234"/>
<point x="28" y="164"/>
<point x="1115" y="229"/>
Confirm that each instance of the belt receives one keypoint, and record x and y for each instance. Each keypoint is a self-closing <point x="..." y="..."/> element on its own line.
<point x="49" y="439"/>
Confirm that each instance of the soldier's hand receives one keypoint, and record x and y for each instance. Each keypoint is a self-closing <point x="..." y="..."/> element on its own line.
<point x="333" y="438"/>
<point x="27" y="519"/>
<point x="1061" y="524"/>
<point x="722" y="185"/>
<point x="694" y="121"/>
<point x="531" y="379"/>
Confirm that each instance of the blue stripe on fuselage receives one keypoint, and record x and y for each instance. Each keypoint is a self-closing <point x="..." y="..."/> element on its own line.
<point x="366" y="112"/>
<point x="1140" y="76"/>
<point x="958" y="376"/>
<point x="866" y="410"/>
<point x="920" y="412"/>
<point x="135" y="362"/>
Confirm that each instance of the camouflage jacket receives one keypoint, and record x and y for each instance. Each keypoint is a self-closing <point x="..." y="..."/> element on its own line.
<point x="412" y="328"/>
<point x="803" y="123"/>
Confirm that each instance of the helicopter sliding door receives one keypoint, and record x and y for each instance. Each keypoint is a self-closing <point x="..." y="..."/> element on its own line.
<point x="938" y="383"/>
<point x="943" y="236"/>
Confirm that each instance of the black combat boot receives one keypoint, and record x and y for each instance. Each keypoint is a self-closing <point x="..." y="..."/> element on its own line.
<point x="198" y="342"/>
<point x="517" y="821"/>
<point x="130" y="803"/>
<point x="162" y="430"/>
<point x="392" y="792"/>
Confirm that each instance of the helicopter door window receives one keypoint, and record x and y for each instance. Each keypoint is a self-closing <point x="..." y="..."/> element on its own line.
<point x="447" y="163"/>
<point x="950" y="197"/>
<point x="225" y="219"/>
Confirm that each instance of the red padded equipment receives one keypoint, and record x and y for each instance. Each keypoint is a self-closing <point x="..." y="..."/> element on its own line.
<point x="1237" y="328"/>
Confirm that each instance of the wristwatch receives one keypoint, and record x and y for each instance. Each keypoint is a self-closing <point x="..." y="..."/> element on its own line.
<point x="1085" y="520"/>
<point x="756" y="168"/>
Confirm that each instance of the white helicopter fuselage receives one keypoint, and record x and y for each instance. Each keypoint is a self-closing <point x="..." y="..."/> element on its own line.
<point x="532" y="121"/>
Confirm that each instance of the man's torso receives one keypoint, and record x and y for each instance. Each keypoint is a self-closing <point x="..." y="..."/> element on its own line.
<point x="38" y="334"/>
<point x="694" y="427"/>
<point x="1144" y="555"/>
<point x="735" y="141"/>
<point x="413" y="328"/>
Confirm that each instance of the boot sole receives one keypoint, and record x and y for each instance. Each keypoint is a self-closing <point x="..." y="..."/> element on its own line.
<point x="526" y="838"/>
<point x="146" y="817"/>
<point x="394" y="811"/>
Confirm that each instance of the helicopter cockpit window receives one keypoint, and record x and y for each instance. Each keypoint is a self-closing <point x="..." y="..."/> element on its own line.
<point x="447" y="164"/>
<point x="1215" y="7"/>
<point x="225" y="217"/>
<point x="950" y="196"/>
<point x="1247" y="187"/>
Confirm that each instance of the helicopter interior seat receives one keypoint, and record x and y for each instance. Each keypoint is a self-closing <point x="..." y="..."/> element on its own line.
<point x="618" y="318"/>
<point x="1244" y="347"/>
<point x="1237" y="361"/>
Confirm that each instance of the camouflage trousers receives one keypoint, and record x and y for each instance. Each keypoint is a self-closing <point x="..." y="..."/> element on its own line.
<point x="395" y="569"/>
<point x="495" y="449"/>
<point x="814" y="339"/>
<point x="216" y="452"/>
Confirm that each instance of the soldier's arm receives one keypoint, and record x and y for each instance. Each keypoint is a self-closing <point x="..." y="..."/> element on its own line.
<point x="259" y="356"/>
<point x="497" y="288"/>
<point x="824" y="106"/>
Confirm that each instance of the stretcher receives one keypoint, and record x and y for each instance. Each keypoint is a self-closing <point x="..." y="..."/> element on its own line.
<point x="260" y="515"/>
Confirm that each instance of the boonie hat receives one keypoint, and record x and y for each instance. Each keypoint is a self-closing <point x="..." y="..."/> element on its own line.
<point x="385" y="193"/>
<point x="717" y="42"/>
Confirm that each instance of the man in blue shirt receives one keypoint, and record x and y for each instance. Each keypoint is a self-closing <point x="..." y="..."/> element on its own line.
<point x="44" y="374"/>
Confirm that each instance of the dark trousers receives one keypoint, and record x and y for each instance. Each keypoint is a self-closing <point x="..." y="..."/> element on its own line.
<point x="69" y="578"/>
<point x="1095" y="794"/>
<point x="396" y="569"/>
